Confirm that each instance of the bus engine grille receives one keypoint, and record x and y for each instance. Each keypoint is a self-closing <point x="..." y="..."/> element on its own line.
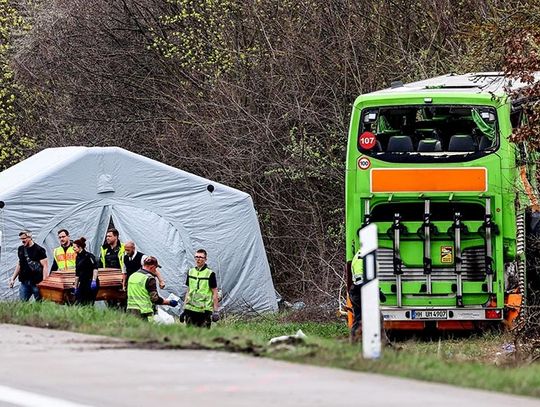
<point x="473" y="267"/>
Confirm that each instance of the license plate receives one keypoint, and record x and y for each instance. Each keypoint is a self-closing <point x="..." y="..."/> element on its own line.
<point x="430" y="314"/>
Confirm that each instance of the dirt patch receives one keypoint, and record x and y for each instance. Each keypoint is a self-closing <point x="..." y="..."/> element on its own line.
<point x="237" y="345"/>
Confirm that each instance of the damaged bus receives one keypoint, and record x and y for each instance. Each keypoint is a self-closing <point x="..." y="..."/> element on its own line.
<point x="431" y="164"/>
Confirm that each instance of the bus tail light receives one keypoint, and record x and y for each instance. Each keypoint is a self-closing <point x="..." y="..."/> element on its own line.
<point x="493" y="314"/>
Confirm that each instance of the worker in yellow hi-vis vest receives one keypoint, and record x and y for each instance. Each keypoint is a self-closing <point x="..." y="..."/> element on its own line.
<point x="355" y="294"/>
<point x="64" y="255"/>
<point x="201" y="302"/>
<point x="142" y="290"/>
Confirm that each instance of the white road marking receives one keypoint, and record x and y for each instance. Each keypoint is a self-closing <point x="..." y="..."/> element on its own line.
<point x="28" y="399"/>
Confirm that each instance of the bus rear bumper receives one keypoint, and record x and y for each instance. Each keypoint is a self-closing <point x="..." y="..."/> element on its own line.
<point x="420" y="315"/>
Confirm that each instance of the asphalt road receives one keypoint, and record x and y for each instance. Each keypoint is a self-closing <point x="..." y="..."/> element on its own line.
<point x="47" y="368"/>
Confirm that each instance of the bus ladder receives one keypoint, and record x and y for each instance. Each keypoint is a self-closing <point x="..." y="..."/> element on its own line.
<point x="397" y="229"/>
<point x="457" y="226"/>
<point x="488" y="229"/>
<point x="427" y="228"/>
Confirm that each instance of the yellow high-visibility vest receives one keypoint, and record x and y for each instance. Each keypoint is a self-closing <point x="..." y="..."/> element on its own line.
<point x="121" y="253"/>
<point x="138" y="295"/>
<point x="357" y="268"/>
<point x="200" y="295"/>
<point x="65" y="259"/>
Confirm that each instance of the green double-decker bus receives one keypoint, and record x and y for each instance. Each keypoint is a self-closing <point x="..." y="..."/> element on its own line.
<point x="431" y="164"/>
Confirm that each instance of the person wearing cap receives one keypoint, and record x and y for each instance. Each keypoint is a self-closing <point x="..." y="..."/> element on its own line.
<point x="133" y="261"/>
<point x="142" y="291"/>
<point x="201" y="303"/>
<point x="31" y="268"/>
<point x="64" y="255"/>
<point x="86" y="274"/>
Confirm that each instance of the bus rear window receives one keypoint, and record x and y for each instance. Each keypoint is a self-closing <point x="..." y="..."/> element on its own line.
<point x="428" y="130"/>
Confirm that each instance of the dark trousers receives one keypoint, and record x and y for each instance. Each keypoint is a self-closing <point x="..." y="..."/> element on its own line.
<point x="86" y="295"/>
<point x="355" y="295"/>
<point x="201" y="319"/>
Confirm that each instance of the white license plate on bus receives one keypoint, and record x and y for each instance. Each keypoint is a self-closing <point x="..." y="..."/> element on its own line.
<point x="430" y="314"/>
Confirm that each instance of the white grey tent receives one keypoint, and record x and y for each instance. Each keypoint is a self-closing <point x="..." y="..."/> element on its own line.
<point x="169" y="213"/>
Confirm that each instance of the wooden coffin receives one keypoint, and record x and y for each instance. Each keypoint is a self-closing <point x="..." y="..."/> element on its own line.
<point x="57" y="286"/>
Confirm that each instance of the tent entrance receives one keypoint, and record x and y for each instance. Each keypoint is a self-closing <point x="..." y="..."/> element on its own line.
<point x="151" y="232"/>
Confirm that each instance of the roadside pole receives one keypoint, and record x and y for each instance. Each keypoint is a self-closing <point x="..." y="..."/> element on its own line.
<point x="371" y="315"/>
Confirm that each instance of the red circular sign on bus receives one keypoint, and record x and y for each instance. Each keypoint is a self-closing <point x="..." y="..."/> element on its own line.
<point x="367" y="140"/>
<point x="364" y="163"/>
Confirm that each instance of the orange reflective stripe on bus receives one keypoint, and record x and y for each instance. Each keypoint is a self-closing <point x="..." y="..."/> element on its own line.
<point x="394" y="180"/>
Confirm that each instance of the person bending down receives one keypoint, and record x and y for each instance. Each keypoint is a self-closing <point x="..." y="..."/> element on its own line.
<point x="142" y="290"/>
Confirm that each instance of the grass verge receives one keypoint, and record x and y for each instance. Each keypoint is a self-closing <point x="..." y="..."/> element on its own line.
<point x="478" y="361"/>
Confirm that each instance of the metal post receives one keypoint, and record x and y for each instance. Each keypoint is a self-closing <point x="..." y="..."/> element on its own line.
<point x="397" y="258"/>
<point x="371" y="315"/>
<point x="489" y="248"/>
<point x="427" y="245"/>
<point x="457" y="258"/>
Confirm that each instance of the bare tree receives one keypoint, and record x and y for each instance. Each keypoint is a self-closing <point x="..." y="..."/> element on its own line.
<point x="254" y="94"/>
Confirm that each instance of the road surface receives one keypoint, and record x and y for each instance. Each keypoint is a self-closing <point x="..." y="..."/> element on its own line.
<point x="47" y="368"/>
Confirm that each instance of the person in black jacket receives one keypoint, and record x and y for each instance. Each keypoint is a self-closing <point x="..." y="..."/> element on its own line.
<point x="86" y="274"/>
<point x="31" y="268"/>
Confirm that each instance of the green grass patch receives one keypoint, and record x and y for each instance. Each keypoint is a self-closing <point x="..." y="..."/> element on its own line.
<point x="477" y="361"/>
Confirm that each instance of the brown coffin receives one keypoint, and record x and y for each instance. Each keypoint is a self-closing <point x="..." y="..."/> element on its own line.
<point x="57" y="286"/>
